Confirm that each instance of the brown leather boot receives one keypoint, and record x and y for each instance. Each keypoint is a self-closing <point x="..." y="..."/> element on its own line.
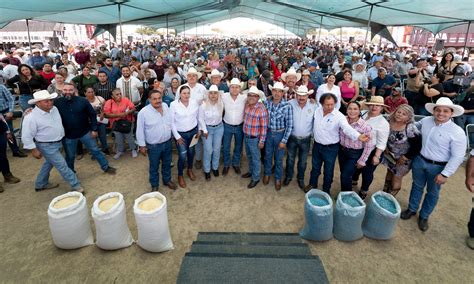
<point x="181" y="182"/>
<point x="277" y="185"/>
<point x="9" y="178"/>
<point x="1" y="187"/>
<point x="191" y="174"/>
<point x="266" y="180"/>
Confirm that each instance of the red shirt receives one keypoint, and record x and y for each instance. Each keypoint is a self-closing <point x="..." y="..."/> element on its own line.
<point x="111" y="107"/>
<point x="393" y="104"/>
<point x="48" y="76"/>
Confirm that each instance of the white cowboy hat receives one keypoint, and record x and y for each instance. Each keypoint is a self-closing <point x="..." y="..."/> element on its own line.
<point x="36" y="50"/>
<point x="291" y="72"/>
<point x="446" y="102"/>
<point x="278" y="86"/>
<point x="214" y="88"/>
<point x="254" y="90"/>
<point x="41" y="96"/>
<point x="303" y="91"/>
<point x="305" y="73"/>
<point x="236" y="82"/>
<point x="215" y="72"/>
<point x="193" y="71"/>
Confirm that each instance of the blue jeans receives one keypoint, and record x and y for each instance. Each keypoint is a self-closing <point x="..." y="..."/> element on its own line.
<point x="424" y="173"/>
<point x="271" y="147"/>
<point x="4" y="165"/>
<point x="23" y="102"/>
<point x="323" y="154"/>
<point x="237" y="133"/>
<point x="347" y="164"/>
<point x="253" y="156"/>
<point x="302" y="146"/>
<point x="53" y="158"/>
<point x="156" y="153"/>
<point x="102" y="134"/>
<point x="91" y="144"/>
<point x="367" y="173"/>
<point x="184" y="151"/>
<point x="212" y="147"/>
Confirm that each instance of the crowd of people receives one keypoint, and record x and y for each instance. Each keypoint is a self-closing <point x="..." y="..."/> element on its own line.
<point x="272" y="97"/>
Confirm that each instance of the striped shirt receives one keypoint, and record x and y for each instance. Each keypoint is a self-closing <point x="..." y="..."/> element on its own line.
<point x="104" y="90"/>
<point x="280" y="116"/>
<point x="256" y="121"/>
<point x="364" y="128"/>
<point x="7" y="102"/>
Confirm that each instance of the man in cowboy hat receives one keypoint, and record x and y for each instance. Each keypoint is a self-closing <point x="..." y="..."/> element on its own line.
<point x="300" y="138"/>
<point x="280" y="124"/>
<point x="291" y="78"/>
<point x="443" y="148"/>
<point x="255" y="134"/>
<point x="215" y="78"/>
<point x="36" y="59"/>
<point x="234" y="106"/>
<point x="42" y="132"/>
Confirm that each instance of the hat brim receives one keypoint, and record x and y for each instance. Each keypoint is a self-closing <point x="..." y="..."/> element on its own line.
<point x="457" y="110"/>
<point x="285" y="89"/>
<point x="373" y="104"/>
<point x="50" y="97"/>
<point x="305" y="93"/>
<point x="199" y="74"/>
<point x="212" y="75"/>
<point x="284" y="75"/>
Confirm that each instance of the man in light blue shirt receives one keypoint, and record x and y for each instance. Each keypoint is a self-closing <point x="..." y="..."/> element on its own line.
<point x="154" y="139"/>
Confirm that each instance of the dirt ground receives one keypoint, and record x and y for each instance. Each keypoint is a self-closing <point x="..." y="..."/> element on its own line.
<point x="224" y="204"/>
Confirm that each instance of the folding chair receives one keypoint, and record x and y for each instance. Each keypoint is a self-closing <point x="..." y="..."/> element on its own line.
<point x="470" y="136"/>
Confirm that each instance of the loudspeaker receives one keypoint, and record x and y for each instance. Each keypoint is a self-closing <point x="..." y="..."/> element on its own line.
<point x="439" y="44"/>
<point x="351" y="39"/>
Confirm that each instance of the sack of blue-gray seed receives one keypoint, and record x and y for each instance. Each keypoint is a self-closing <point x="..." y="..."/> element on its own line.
<point x="348" y="216"/>
<point x="381" y="218"/>
<point x="318" y="216"/>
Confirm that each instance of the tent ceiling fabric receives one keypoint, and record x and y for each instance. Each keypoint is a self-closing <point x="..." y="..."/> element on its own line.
<point x="305" y="14"/>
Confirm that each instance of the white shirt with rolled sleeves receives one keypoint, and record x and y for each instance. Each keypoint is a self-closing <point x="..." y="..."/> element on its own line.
<point x="380" y="130"/>
<point x="326" y="128"/>
<point x="152" y="126"/>
<point x="302" y="118"/>
<point x="209" y="115"/>
<point x="198" y="93"/>
<point x="135" y="85"/>
<point x="234" y="110"/>
<point x="443" y="143"/>
<point x="41" y="126"/>
<point x="183" y="118"/>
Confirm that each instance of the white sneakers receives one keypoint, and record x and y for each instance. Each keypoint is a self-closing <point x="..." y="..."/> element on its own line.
<point x="134" y="154"/>
<point x="119" y="154"/>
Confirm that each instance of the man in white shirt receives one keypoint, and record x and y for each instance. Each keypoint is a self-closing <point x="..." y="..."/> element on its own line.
<point x="326" y="125"/>
<point x="9" y="70"/>
<point x="130" y="86"/>
<point x="442" y="152"/>
<point x="234" y="107"/>
<point x="42" y="132"/>
<point x="300" y="138"/>
<point x="154" y="139"/>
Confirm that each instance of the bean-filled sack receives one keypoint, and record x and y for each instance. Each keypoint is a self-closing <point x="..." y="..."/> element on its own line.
<point x="69" y="221"/>
<point x="110" y="220"/>
<point x="383" y="212"/>
<point x="151" y="215"/>
<point x="348" y="216"/>
<point x="318" y="216"/>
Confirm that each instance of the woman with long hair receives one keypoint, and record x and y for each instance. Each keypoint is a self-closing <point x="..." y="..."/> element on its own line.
<point x="330" y="87"/>
<point x="28" y="83"/>
<point x="349" y="90"/>
<point x="446" y="66"/>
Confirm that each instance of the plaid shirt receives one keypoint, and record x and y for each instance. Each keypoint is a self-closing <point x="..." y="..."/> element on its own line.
<point x="364" y="128"/>
<point x="105" y="90"/>
<point x="256" y="121"/>
<point x="7" y="102"/>
<point x="280" y="117"/>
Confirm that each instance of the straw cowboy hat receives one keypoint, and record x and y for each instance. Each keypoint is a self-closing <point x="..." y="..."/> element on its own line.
<point x="214" y="88"/>
<point x="41" y="96"/>
<point x="291" y="72"/>
<point x="193" y="71"/>
<point x="303" y="91"/>
<point x="278" y="86"/>
<point x="235" y="82"/>
<point x="375" y="101"/>
<point x="215" y="72"/>
<point x="446" y="102"/>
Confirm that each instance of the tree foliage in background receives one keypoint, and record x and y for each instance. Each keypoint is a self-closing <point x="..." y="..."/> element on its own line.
<point x="146" y="31"/>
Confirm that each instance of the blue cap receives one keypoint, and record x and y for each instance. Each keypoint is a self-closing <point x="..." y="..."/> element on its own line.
<point x="313" y="64"/>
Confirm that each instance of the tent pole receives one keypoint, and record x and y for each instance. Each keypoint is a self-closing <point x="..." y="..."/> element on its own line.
<point x="368" y="25"/>
<point x="120" y="22"/>
<point x="167" y="33"/>
<point x="184" y="28"/>
<point x="284" y="31"/>
<point x="196" y="29"/>
<point x="29" y="37"/>
<point x="299" y="26"/>
<point x="320" y="27"/>
<point x="340" y="33"/>
<point x="465" y="41"/>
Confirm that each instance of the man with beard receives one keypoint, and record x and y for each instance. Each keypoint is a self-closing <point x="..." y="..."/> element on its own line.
<point x="130" y="86"/>
<point x="103" y="88"/>
<point x="80" y="124"/>
<point x="113" y="73"/>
